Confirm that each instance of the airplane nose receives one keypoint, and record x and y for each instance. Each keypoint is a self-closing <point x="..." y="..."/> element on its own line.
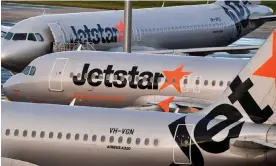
<point x="3" y="57"/>
<point x="8" y="61"/>
<point x="8" y="87"/>
<point x="5" y="60"/>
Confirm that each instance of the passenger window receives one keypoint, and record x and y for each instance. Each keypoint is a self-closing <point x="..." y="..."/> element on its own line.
<point x="197" y="81"/>
<point x="9" y="36"/>
<point x="26" y="70"/>
<point x="68" y="136"/>
<point x="19" y="36"/>
<point x="77" y="136"/>
<point x="138" y="141"/>
<point x="129" y="140"/>
<point x="33" y="133"/>
<point x="120" y="139"/>
<point x="94" y="138"/>
<point x="39" y="37"/>
<point x="155" y="142"/>
<point x="71" y="75"/>
<point x="147" y="141"/>
<point x="25" y="132"/>
<point x="85" y="137"/>
<point x="42" y="134"/>
<point x="59" y="135"/>
<point x="206" y="82"/>
<point x="221" y="83"/>
<point x="85" y="75"/>
<point x="159" y="79"/>
<point x="51" y="135"/>
<point x="213" y="82"/>
<point x="32" y="71"/>
<point x="228" y="83"/>
<point x="111" y="139"/>
<point x="31" y="37"/>
<point x="16" y="132"/>
<point x="102" y="138"/>
<point x="8" y="132"/>
<point x="185" y="80"/>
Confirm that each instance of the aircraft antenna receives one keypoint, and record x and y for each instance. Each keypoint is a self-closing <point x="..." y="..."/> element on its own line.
<point x="72" y="102"/>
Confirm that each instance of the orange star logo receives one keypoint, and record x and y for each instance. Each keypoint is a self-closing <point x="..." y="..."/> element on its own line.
<point x="193" y="110"/>
<point x="174" y="77"/>
<point x="120" y="27"/>
<point x="268" y="69"/>
<point x="165" y="104"/>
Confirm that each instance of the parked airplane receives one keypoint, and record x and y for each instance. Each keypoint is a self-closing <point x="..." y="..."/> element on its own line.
<point x="237" y="130"/>
<point x="212" y="25"/>
<point x="115" y="79"/>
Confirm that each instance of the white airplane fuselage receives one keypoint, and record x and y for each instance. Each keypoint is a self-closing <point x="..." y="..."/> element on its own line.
<point x="152" y="28"/>
<point x="69" y="136"/>
<point x="106" y="79"/>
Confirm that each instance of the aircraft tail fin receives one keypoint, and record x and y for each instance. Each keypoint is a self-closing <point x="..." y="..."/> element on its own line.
<point x="245" y="2"/>
<point x="252" y="94"/>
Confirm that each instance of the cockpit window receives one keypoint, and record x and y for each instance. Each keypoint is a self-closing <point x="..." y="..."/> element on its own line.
<point x="31" y="37"/>
<point x="39" y="37"/>
<point x="20" y="36"/>
<point x="26" y="70"/>
<point x="9" y="36"/>
<point x="3" y="34"/>
<point x="32" y="72"/>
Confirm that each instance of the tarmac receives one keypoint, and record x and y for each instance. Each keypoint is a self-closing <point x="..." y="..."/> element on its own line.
<point x="14" y="12"/>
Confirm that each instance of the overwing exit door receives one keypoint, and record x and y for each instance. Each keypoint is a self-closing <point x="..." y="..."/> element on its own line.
<point x="183" y="143"/>
<point x="56" y="75"/>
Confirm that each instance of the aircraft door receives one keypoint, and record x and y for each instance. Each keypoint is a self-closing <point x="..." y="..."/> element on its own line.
<point x="56" y="75"/>
<point x="57" y="32"/>
<point x="183" y="141"/>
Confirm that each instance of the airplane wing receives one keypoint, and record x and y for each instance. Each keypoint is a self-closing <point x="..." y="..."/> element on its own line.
<point x="4" y="30"/>
<point x="170" y="104"/>
<point x="250" y="147"/>
<point x="263" y="18"/>
<point x="205" y="51"/>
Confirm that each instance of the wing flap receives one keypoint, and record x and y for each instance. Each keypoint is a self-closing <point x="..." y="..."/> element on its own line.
<point x="263" y="18"/>
<point x="206" y="50"/>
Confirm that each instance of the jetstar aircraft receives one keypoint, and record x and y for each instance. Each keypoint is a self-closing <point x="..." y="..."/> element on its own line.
<point x="194" y="26"/>
<point x="115" y="79"/>
<point x="237" y="130"/>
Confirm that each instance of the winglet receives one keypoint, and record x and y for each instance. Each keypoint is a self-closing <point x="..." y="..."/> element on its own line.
<point x="193" y="110"/>
<point x="79" y="48"/>
<point x="165" y="104"/>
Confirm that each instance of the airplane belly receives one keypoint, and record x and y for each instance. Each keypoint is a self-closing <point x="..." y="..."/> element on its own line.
<point x="45" y="153"/>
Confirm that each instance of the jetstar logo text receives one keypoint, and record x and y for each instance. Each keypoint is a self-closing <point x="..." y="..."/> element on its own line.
<point x="120" y="78"/>
<point x="99" y="34"/>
